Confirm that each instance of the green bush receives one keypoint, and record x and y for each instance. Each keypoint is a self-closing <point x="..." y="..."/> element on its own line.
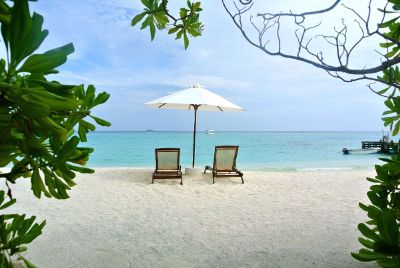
<point x="15" y="231"/>
<point x="39" y="120"/>
<point x="381" y="234"/>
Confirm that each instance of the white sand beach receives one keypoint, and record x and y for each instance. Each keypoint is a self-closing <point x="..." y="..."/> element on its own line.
<point x="117" y="218"/>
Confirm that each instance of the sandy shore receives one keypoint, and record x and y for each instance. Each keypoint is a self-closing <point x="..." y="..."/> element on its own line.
<point x="117" y="218"/>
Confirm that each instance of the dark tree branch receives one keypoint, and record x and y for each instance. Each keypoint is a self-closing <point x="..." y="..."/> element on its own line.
<point x="271" y="25"/>
<point x="304" y="14"/>
<point x="173" y="18"/>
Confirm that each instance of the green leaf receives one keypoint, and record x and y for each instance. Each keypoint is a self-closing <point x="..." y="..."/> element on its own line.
<point x="383" y="91"/>
<point x="53" y="101"/>
<point x="173" y="30"/>
<point x="35" y="181"/>
<point x="51" y="125"/>
<point x="31" y="39"/>
<point x="138" y="18"/>
<point x="152" y="30"/>
<point x="387" y="112"/>
<point x="366" y="243"/>
<point x="395" y="199"/>
<point x="377" y="200"/>
<point x="100" y="99"/>
<point x="63" y="171"/>
<point x="396" y="129"/>
<point x="194" y="32"/>
<point x="390" y="104"/>
<point x="387" y="11"/>
<point x="146" y="3"/>
<point x="183" y="13"/>
<point x="68" y="148"/>
<point x="145" y="23"/>
<point x="81" y="169"/>
<point x="374" y="180"/>
<point x="33" y="232"/>
<point x="185" y="40"/>
<point x="161" y="20"/>
<point x="43" y="63"/>
<point x="179" y="34"/>
<point x="87" y="125"/>
<point x="389" y="263"/>
<point x="196" y="5"/>
<point x="365" y="257"/>
<point x="33" y="108"/>
<point x="388" y="228"/>
<point x="374" y="212"/>
<point x="35" y="37"/>
<point x="387" y="23"/>
<point x="393" y="52"/>
<point x="100" y="121"/>
<point x="19" y="28"/>
<point x="27" y="263"/>
<point x="89" y="96"/>
<point x="386" y="45"/>
<point x="82" y="133"/>
<point x="9" y="203"/>
<point x="363" y="207"/>
<point x="367" y="232"/>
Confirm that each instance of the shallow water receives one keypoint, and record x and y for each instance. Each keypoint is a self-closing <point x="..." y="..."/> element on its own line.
<point x="270" y="151"/>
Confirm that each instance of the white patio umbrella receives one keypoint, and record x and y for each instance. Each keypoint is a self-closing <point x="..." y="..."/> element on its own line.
<point x="194" y="98"/>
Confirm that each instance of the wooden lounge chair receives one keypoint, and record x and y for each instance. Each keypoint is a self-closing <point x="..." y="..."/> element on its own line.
<point x="225" y="162"/>
<point x="167" y="164"/>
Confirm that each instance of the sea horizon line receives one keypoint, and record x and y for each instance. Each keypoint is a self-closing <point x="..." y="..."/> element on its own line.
<point x="300" y="131"/>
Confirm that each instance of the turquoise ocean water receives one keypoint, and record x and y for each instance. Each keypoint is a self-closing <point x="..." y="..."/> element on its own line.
<point x="269" y="151"/>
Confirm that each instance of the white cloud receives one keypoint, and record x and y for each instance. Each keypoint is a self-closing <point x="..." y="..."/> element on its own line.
<point x="209" y="81"/>
<point x="121" y="59"/>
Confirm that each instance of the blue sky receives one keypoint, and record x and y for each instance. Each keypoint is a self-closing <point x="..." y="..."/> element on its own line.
<point x="278" y="94"/>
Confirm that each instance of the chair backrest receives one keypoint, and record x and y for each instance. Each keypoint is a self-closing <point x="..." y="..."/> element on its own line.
<point x="225" y="157"/>
<point x="167" y="158"/>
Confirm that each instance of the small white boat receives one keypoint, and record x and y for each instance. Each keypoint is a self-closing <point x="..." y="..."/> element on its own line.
<point x="210" y="132"/>
<point x="361" y="151"/>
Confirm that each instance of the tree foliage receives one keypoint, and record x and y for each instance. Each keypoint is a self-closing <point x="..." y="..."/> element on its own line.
<point x="15" y="232"/>
<point x="156" y="15"/>
<point x="38" y="121"/>
<point x="381" y="234"/>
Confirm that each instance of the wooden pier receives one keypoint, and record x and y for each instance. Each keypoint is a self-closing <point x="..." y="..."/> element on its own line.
<point x="384" y="146"/>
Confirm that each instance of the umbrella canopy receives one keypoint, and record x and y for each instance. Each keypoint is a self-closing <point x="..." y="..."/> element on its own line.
<point x="188" y="99"/>
<point x="194" y="98"/>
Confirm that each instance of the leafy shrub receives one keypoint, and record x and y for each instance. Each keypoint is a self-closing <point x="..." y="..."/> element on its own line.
<point x="38" y="119"/>
<point x="381" y="234"/>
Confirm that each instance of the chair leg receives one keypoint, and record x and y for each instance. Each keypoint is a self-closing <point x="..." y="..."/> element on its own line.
<point x="213" y="178"/>
<point x="181" y="181"/>
<point x="242" y="179"/>
<point x="206" y="168"/>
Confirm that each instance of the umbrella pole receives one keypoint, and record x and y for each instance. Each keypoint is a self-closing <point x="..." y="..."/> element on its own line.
<point x="194" y="133"/>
